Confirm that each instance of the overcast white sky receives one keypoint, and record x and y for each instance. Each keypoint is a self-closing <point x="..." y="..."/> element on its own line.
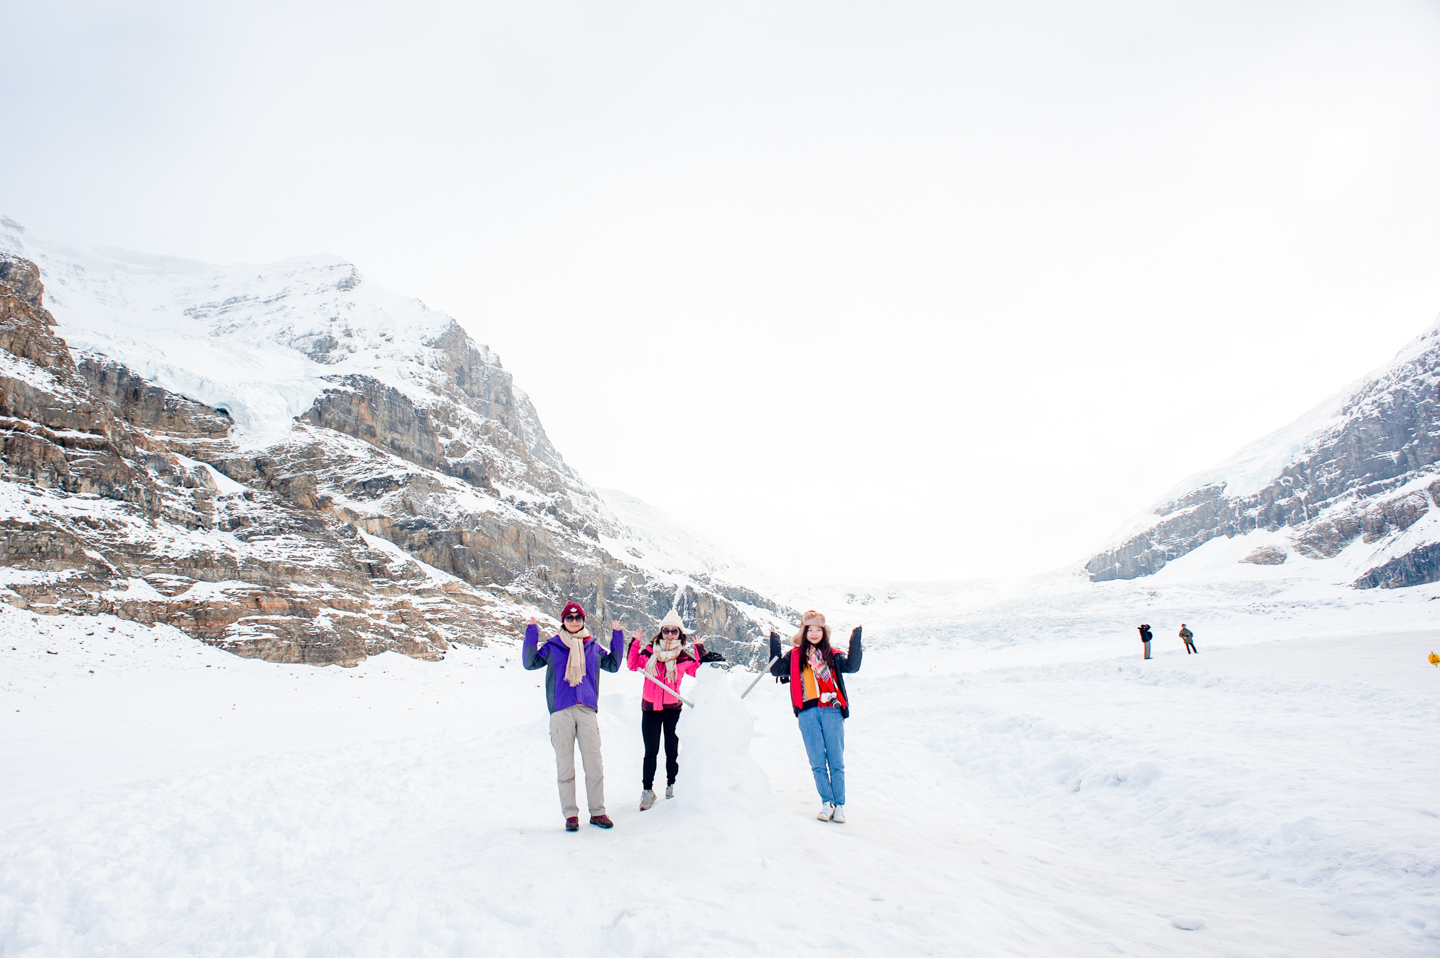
<point x="881" y="289"/>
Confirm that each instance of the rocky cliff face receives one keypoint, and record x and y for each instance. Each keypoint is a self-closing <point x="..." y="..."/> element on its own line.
<point x="285" y="462"/>
<point x="1358" y="474"/>
<point x="103" y="511"/>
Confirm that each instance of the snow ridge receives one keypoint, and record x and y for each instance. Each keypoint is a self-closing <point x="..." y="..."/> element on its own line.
<point x="260" y="341"/>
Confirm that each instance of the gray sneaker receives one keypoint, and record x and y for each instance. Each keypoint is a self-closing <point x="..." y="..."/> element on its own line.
<point x="647" y="798"/>
<point x="669" y="791"/>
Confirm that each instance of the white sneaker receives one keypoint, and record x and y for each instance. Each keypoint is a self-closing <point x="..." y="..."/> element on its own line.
<point x="669" y="791"/>
<point x="839" y="815"/>
<point x="647" y="798"/>
<point x="826" y="812"/>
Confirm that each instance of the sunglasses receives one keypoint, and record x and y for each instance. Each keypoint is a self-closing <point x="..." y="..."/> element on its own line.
<point x="669" y="631"/>
<point x="574" y="617"/>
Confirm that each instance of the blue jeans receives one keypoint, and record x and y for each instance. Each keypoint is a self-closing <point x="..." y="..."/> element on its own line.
<point x="823" y="731"/>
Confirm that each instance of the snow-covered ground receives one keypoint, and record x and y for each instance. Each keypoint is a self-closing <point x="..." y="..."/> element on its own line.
<point x="1279" y="796"/>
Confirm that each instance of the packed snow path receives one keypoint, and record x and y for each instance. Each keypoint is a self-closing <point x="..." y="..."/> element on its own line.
<point x="1280" y="799"/>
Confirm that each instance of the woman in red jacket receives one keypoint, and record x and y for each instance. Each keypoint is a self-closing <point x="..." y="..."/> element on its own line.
<point x="816" y="675"/>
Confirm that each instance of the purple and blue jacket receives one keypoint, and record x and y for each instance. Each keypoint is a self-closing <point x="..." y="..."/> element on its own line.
<point x="554" y="655"/>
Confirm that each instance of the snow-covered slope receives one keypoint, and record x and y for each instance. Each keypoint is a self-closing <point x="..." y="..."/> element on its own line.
<point x="1350" y="481"/>
<point x="261" y="342"/>
<point x="345" y="407"/>
<point x="662" y="542"/>
<point x="1264" y="799"/>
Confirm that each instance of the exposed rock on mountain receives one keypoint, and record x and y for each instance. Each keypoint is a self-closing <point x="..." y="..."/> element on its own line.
<point x="290" y="463"/>
<point x="1355" y="476"/>
<point x="1266" y="555"/>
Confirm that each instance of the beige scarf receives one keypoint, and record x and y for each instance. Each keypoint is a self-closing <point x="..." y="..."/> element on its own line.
<point x="667" y="652"/>
<point x="575" y="663"/>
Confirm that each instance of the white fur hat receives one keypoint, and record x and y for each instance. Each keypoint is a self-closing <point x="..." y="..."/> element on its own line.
<point x="672" y="618"/>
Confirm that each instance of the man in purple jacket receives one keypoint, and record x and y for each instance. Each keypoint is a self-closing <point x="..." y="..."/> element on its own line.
<point x="573" y="660"/>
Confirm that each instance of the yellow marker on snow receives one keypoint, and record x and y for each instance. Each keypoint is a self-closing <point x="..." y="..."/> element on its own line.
<point x="1434" y="659"/>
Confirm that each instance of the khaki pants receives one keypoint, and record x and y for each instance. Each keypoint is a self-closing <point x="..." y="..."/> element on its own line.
<point x="566" y="726"/>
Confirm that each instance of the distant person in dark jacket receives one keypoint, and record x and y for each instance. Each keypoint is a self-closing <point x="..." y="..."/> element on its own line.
<point x="1145" y="636"/>
<point x="1189" y="638"/>
<point x="572" y="660"/>
<point x="816" y="675"/>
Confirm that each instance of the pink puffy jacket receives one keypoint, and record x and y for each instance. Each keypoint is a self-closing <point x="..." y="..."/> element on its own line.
<point x="651" y="696"/>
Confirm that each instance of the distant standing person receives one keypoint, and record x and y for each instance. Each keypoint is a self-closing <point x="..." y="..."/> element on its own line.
<point x="816" y="675"/>
<point x="1145" y="637"/>
<point x="575" y="656"/>
<point x="1189" y="638"/>
<point x="667" y="658"/>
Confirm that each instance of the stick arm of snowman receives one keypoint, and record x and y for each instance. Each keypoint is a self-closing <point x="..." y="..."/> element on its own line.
<point x="668" y="690"/>
<point x="763" y="672"/>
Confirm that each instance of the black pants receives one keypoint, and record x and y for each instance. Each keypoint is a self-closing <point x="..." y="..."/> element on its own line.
<point x="1190" y="647"/>
<point x="651" y="724"/>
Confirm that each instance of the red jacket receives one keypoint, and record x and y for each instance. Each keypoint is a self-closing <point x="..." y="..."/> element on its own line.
<point x="787" y="669"/>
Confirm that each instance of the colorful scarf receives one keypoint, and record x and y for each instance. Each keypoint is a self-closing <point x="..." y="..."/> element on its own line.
<point x="818" y="679"/>
<point x="668" y="651"/>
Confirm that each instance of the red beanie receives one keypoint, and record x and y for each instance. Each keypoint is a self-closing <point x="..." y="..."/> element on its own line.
<point x="572" y="607"/>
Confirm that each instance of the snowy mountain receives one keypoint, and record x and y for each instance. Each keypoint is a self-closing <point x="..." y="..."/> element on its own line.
<point x="293" y="463"/>
<point x="1352" y="482"/>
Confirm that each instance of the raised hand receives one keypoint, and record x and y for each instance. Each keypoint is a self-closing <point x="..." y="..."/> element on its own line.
<point x="532" y="621"/>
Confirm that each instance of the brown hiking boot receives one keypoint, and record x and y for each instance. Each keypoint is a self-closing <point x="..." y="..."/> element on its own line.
<point x="572" y="824"/>
<point x="602" y="820"/>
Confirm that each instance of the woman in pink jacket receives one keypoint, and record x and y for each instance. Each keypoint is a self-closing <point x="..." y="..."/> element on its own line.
<point x="667" y="657"/>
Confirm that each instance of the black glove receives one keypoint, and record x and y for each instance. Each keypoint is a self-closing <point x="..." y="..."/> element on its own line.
<point x="712" y="657"/>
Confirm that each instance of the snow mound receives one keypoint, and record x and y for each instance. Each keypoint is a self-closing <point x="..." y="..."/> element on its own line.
<point x="720" y="775"/>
